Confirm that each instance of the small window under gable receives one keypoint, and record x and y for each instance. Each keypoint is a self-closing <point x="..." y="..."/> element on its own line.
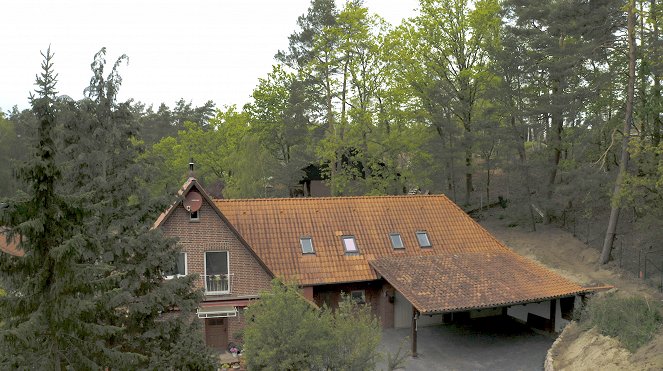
<point x="396" y="241"/>
<point x="307" y="245"/>
<point x="422" y="237"/>
<point x="350" y="245"/>
<point x="195" y="216"/>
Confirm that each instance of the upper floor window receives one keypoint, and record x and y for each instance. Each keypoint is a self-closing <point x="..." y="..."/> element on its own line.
<point x="349" y="244"/>
<point x="217" y="277"/>
<point x="179" y="268"/>
<point x="307" y="245"/>
<point x="194" y="216"/>
<point x="396" y="241"/>
<point x="422" y="237"/>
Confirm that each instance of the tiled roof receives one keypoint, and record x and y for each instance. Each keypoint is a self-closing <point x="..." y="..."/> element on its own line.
<point x="9" y="247"/>
<point x="458" y="281"/>
<point x="190" y="182"/>
<point x="273" y="227"/>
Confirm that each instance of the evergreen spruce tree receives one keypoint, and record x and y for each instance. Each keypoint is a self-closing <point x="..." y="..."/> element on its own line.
<point x="50" y="310"/>
<point x="156" y="315"/>
<point x="89" y="292"/>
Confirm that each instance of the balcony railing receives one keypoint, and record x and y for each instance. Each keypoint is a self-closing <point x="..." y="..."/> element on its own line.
<point x="218" y="284"/>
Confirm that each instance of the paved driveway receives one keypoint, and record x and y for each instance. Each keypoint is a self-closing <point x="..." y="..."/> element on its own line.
<point x="496" y="343"/>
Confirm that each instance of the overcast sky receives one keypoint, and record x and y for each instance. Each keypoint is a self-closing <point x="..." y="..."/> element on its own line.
<point x="196" y="50"/>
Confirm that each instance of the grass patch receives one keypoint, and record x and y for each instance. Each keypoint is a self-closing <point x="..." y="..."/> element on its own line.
<point x="632" y="320"/>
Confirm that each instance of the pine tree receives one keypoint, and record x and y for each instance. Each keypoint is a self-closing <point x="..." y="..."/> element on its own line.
<point x="103" y="168"/>
<point x="50" y="310"/>
<point x="89" y="292"/>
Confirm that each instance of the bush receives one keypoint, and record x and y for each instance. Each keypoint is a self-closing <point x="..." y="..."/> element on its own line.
<point x="284" y="331"/>
<point x="632" y="320"/>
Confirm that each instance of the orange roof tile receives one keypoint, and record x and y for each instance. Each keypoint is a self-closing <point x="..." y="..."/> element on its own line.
<point x="273" y="227"/>
<point x="9" y="246"/>
<point x="459" y="281"/>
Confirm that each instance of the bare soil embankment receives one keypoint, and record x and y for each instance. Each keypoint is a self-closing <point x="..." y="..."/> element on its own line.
<point x="563" y="253"/>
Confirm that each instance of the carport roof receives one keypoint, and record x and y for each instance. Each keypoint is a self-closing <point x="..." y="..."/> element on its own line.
<point x="465" y="280"/>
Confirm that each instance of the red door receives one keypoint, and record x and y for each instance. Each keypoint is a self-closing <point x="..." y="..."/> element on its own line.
<point x="216" y="333"/>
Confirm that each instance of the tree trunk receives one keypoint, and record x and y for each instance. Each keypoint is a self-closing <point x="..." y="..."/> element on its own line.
<point x="657" y="124"/>
<point x="628" y="121"/>
<point x="557" y="126"/>
<point x="468" y="158"/>
<point x="332" y="131"/>
<point x="487" y="180"/>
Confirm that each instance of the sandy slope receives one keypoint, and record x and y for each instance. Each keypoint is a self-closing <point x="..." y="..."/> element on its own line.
<point x="560" y="251"/>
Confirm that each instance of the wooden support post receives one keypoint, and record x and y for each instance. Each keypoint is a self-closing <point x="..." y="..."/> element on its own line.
<point x="553" y="314"/>
<point x="415" y="316"/>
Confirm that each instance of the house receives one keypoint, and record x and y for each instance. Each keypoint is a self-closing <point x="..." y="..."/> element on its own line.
<point x="417" y="259"/>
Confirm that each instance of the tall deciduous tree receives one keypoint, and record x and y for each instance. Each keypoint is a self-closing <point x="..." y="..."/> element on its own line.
<point x="626" y="134"/>
<point x="445" y="60"/>
<point x="279" y="122"/>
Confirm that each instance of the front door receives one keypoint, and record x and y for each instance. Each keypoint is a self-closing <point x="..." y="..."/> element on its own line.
<point x="216" y="333"/>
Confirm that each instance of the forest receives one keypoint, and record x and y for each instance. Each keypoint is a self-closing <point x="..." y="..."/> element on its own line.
<point x="553" y="109"/>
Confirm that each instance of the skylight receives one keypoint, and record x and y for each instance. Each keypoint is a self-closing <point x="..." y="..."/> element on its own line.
<point x="396" y="241"/>
<point x="422" y="237"/>
<point x="349" y="244"/>
<point x="307" y="245"/>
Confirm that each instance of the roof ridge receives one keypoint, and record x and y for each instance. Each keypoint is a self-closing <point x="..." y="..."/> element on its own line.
<point x="328" y="198"/>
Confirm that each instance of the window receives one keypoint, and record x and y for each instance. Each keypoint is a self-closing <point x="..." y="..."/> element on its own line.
<point x="195" y="216"/>
<point x="422" y="237"/>
<point x="358" y="296"/>
<point x="349" y="244"/>
<point x="179" y="268"/>
<point x="216" y="272"/>
<point x="307" y="245"/>
<point x="396" y="241"/>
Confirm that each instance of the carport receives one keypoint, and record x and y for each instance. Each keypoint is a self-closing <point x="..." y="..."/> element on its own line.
<point x="462" y="281"/>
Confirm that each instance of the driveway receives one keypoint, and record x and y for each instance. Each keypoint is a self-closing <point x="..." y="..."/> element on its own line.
<point x="497" y="343"/>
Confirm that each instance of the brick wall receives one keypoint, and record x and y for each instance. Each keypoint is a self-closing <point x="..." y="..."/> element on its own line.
<point x="209" y="233"/>
<point x="236" y="324"/>
<point x="376" y="294"/>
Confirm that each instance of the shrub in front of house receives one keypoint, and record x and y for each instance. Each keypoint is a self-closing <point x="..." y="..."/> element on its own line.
<point x="285" y="331"/>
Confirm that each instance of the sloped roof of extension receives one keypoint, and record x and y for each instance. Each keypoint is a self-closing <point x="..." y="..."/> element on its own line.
<point x="458" y="281"/>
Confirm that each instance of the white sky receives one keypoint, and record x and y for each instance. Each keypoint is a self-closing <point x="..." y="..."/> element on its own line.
<point x="196" y="50"/>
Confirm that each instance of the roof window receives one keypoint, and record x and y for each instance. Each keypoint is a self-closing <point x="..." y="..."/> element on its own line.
<point x="396" y="241"/>
<point x="422" y="237"/>
<point x="307" y="245"/>
<point x="349" y="244"/>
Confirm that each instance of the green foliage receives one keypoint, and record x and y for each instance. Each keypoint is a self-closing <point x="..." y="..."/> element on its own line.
<point x="632" y="320"/>
<point x="7" y="139"/>
<point x="396" y="361"/>
<point x="286" y="332"/>
<point x="89" y="292"/>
